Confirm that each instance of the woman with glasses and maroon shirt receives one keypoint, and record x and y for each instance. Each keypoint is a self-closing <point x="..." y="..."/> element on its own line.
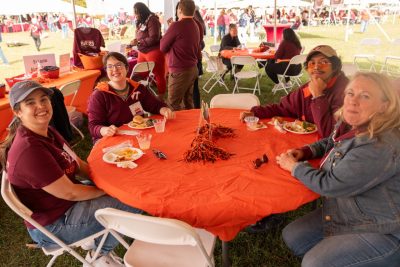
<point x="112" y="102"/>
<point x="317" y="100"/>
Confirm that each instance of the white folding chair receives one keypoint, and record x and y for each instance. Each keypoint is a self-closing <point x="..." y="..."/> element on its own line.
<point x="262" y="62"/>
<point x="251" y="73"/>
<point x="214" y="49"/>
<point x="12" y="200"/>
<point x="217" y="68"/>
<point x="367" y="59"/>
<point x="68" y="89"/>
<point x="391" y="65"/>
<point x="234" y="101"/>
<point x="145" y="67"/>
<point x="158" y="241"/>
<point x="349" y="69"/>
<point x="294" y="79"/>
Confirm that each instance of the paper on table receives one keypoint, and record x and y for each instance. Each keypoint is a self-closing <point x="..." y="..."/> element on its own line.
<point x="123" y="144"/>
<point x="128" y="132"/>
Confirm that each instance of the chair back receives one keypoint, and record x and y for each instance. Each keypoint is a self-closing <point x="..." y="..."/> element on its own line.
<point x="71" y="88"/>
<point x="214" y="63"/>
<point x="214" y="49"/>
<point x="349" y="69"/>
<point x="12" y="200"/>
<point x="235" y="101"/>
<point x="146" y="66"/>
<point x="370" y="41"/>
<point x="243" y="60"/>
<point x="298" y="59"/>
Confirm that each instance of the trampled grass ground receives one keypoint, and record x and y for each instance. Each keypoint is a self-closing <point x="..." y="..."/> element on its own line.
<point x="250" y="250"/>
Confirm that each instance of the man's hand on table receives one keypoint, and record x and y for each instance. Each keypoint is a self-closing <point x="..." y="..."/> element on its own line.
<point x="108" y="131"/>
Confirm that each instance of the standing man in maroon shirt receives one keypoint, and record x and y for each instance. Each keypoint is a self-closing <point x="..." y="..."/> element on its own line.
<point x="181" y="43"/>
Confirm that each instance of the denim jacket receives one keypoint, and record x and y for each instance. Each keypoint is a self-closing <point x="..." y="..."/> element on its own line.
<point x="360" y="182"/>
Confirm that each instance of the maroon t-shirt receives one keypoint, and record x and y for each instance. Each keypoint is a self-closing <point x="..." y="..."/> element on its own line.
<point x="35" y="161"/>
<point x="86" y="41"/>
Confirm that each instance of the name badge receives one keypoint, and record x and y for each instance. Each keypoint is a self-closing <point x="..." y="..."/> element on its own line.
<point x="136" y="109"/>
<point x="143" y="28"/>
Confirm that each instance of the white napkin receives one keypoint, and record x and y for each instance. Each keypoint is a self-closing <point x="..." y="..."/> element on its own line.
<point x="127" y="164"/>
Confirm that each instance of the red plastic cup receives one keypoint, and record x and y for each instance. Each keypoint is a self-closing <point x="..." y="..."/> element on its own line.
<point x="2" y="90"/>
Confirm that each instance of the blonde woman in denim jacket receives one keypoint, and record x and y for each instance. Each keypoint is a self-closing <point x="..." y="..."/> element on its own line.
<point x="359" y="179"/>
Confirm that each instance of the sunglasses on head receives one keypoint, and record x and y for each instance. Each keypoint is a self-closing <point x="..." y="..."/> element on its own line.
<point x="259" y="161"/>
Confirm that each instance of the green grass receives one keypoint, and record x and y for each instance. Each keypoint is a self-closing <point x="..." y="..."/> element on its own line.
<point x="258" y="250"/>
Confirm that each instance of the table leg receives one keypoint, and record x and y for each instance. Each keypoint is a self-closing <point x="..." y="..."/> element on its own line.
<point x="226" y="261"/>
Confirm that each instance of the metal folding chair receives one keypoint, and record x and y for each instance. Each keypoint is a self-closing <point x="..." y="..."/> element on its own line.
<point x="294" y="79"/>
<point x="251" y="73"/>
<point x="158" y="241"/>
<point x="367" y="58"/>
<point x="234" y="101"/>
<point x="217" y="70"/>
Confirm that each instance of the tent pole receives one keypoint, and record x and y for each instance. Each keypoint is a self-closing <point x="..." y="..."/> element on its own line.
<point x="215" y="22"/>
<point x="73" y="10"/>
<point x="275" y="23"/>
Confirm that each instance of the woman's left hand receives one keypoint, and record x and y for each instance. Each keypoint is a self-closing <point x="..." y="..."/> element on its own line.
<point x="286" y="161"/>
<point x="167" y="113"/>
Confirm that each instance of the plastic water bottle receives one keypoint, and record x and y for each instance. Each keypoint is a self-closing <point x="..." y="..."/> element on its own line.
<point x="39" y="67"/>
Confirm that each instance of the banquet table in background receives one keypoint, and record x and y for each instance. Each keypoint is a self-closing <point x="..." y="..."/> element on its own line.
<point x="221" y="197"/>
<point x="16" y="27"/>
<point x="269" y="29"/>
<point x="253" y="52"/>
<point x="87" y="78"/>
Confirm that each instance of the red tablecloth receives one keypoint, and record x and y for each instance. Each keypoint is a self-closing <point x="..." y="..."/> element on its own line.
<point x="222" y="197"/>
<point x="87" y="77"/>
<point x="254" y="52"/>
<point x="269" y="29"/>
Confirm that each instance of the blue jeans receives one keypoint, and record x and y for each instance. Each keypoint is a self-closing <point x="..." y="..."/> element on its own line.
<point x="364" y="24"/>
<point x="79" y="222"/>
<point x="305" y="238"/>
<point x="64" y="30"/>
<point x="3" y="57"/>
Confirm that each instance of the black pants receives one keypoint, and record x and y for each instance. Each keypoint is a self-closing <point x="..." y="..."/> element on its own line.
<point x="273" y="69"/>
<point x="37" y="41"/>
<point x="196" y="90"/>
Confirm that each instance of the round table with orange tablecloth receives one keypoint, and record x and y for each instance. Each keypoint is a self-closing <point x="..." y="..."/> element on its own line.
<point x="253" y="52"/>
<point x="221" y="197"/>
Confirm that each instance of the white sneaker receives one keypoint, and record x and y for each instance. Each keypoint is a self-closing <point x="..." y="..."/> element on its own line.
<point x="89" y="245"/>
<point x="109" y="260"/>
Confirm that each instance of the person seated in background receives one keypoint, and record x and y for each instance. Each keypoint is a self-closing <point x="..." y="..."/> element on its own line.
<point x="229" y="42"/>
<point x="359" y="179"/>
<point x="288" y="48"/>
<point x="317" y="100"/>
<point x="117" y="101"/>
<point x="41" y="168"/>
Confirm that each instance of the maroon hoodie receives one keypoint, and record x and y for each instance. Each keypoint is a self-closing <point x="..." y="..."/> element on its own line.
<point x="106" y="108"/>
<point x="300" y="104"/>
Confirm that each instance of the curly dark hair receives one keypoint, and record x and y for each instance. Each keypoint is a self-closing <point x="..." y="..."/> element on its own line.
<point x="143" y="11"/>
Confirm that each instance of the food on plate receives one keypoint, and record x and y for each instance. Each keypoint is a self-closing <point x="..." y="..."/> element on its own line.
<point x="124" y="154"/>
<point x="300" y="126"/>
<point x="140" y="122"/>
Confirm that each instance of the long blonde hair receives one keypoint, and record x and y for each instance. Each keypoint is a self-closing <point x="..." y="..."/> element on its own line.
<point x="390" y="118"/>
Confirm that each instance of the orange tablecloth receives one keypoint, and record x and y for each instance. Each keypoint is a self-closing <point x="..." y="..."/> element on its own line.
<point x="87" y="77"/>
<point x="254" y="52"/>
<point x="222" y="197"/>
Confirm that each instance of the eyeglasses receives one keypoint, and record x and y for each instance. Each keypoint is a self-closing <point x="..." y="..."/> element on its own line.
<point x="259" y="161"/>
<point x="159" y="154"/>
<point x="322" y="63"/>
<point x="117" y="66"/>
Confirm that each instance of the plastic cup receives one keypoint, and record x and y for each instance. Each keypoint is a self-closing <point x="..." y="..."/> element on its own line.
<point x="159" y="125"/>
<point x="251" y="123"/>
<point x="2" y="90"/>
<point x="144" y="140"/>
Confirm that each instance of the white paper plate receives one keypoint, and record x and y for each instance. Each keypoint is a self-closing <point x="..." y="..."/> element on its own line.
<point x="130" y="125"/>
<point x="130" y="154"/>
<point x="285" y="126"/>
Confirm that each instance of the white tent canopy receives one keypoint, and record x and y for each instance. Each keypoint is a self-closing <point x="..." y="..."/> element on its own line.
<point x="18" y="7"/>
